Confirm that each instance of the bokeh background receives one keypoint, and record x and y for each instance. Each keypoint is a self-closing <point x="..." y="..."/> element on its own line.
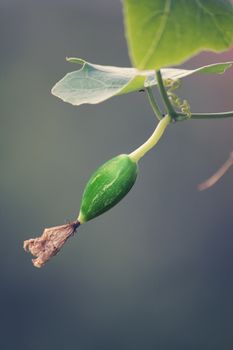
<point x="156" y="271"/>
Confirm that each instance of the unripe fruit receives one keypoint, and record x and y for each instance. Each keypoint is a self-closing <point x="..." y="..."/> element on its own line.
<point x="107" y="186"/>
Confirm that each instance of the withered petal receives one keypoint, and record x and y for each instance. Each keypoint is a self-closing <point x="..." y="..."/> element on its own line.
<point x="49" y="243"/>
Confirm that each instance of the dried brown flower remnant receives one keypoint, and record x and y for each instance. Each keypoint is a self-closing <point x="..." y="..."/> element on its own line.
<point x="50" y="242"/>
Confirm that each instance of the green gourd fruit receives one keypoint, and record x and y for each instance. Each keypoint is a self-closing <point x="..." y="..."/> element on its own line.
<point x="107" y="186"/>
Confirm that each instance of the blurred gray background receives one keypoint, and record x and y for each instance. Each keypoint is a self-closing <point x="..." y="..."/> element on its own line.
<point x="156" y="271"/>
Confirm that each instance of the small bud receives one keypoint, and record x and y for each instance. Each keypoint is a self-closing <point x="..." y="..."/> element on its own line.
<point x="50" y="242"/>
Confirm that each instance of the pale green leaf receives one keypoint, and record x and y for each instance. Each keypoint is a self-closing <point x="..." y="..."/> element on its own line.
<point x="94" y="83"/>
<point x="167" y="32"/>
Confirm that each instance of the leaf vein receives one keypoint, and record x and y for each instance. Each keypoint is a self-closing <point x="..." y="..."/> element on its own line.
<point x="160" y="31"/>
<point x="208" y="12"/>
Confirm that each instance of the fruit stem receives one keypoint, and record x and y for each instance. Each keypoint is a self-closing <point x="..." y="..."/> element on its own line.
<point x="152" y="141"/>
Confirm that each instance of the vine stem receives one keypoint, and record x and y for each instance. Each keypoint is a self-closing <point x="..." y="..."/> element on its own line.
<point x="171" y="111"/>
<point x="152" y="141"/>
<point x="182" y="116"/>
<point x="153" y="103"/>
<point x="217" y="176"/>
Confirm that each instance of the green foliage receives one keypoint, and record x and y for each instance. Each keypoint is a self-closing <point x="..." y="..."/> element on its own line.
<point x="95" y="83"/>
<point x="167" y="32"/>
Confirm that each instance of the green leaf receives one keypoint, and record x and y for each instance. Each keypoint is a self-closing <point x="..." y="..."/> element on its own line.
<point x="94" y="83"/>
<point x="167" y="32"/>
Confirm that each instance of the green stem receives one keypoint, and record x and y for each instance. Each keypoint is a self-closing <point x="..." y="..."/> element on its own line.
<point x="182" y="116"/>
<point x="153" y="103"/>
<point x="164" y="95"/>
<point x="151" y="142"/>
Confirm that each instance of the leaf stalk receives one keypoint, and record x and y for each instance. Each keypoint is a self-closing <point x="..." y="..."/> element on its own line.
<point x="171" y="111"/>
<point x="154" y="104"/>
